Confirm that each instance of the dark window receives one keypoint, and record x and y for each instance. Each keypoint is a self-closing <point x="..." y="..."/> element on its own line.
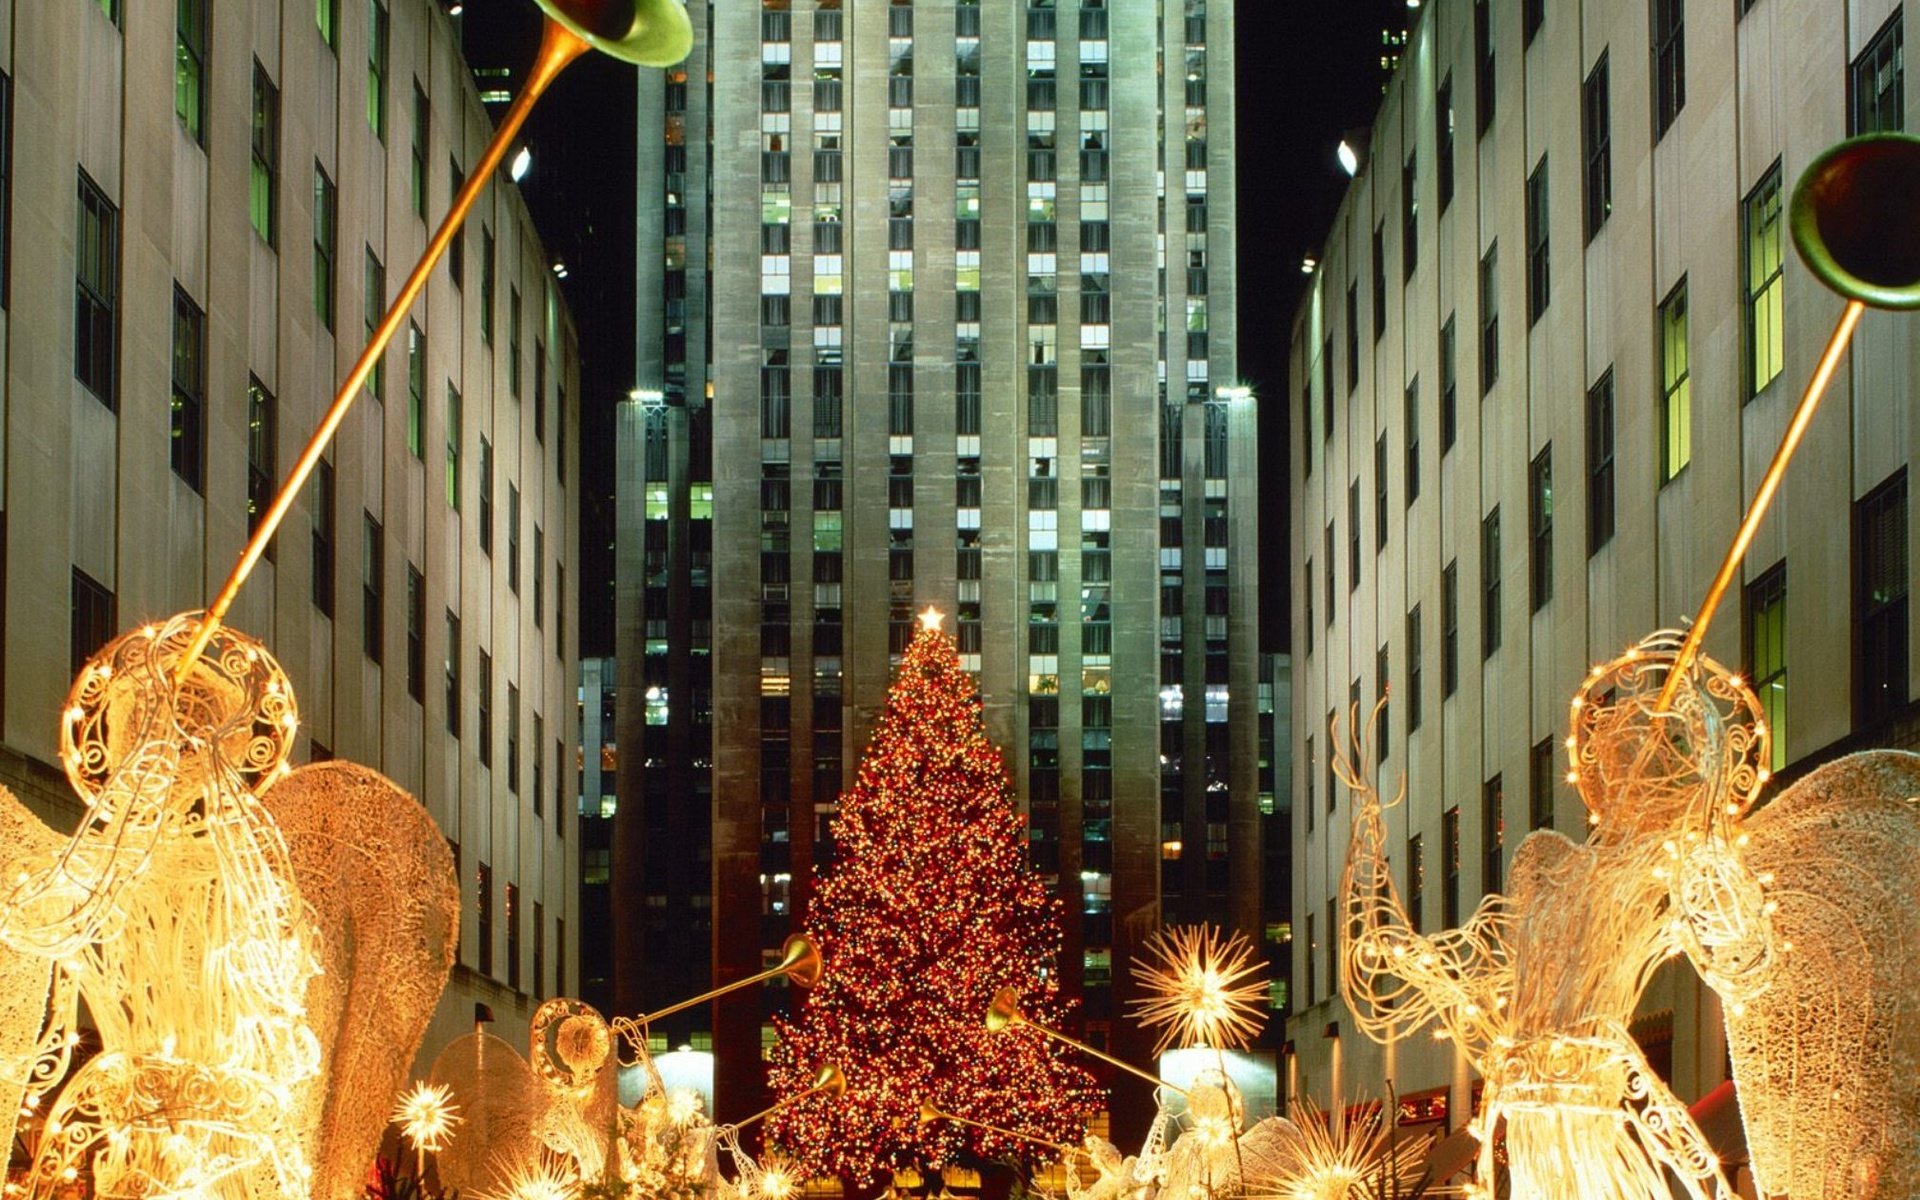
<point x="513" y="538"/>
<point x="190" y="67"/>
<point x="1669" y="63"/>
<point x="1489" y="318"/>
<point x="1596" y="138"/>
<point x="1379" y="281"/>
<point x="1326" y="388"/>
<point x="1600" y="462"/>
<point x="1493" y="827"/>
<point x="1307" y="591"/>
<point x="1383" y="725"/>
<point x="1450" y="629"/>
<point x="1412" y="469"/>
<point x="1483" y="78"/>
<point x="373" y="306"/>
<point x="326" y="232"/>
<point x="377" y="69"/>
<point x="537" y="794"/>
<point x="1409" y="219"/>
<point x="373" y="565"/>
<point x="539" y="949"/>
<point x="1880" y="601"/>
<point x="486" y="285"/>
<point x="96" y="326"/>
<point x="186" y="444"/>
<point x="1450" y="866"/>
<point x="323" y="537"/>
<point x="1449" y="386"/>
<point x="1532" y="14"/>
<point x="263" y="458"/>
<point x="1416" y="882"/>
<point x="483" y="710"/>
<point x="483" y="909"/>
<point x="513" y="738"/>
<point x="1766" y="665"/>
<point x="1332" y="570"/>
<point x="1443" y="137"/>
<point x="417" y="177"/>
<point x="539" y="576"/>
<point x="1380" y="493"/>
<point x="513" y="341"/>
<point x="1676" y="391"/>
<point x="1306" y="429"/>
<point x="1353" y="335"/>
<point x="416" y="634"/>
<point x="1539" y="266"/>
<point x="1540" y="785"/>
<point x="263" y="189"/>
<point x="457" y="248"/>
<point x="486" y="496"/>
<point x="1414" y="664"/>
<point x="1353" y="535"/>
<point x="1766" y="247"/>
<point x="452" y="666"/>
<point x="93" y="619"/>
<point x="416" y="391"/>
<point x="1490" y="583"/>
<point x="1876" y="85"/>
<point x="6" y="187"/>
<point x="1540" y="526"/>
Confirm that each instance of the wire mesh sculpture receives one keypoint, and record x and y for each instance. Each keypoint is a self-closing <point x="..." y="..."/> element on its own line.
<point x="173" y="911"/>
<point x="1801" y="916"/>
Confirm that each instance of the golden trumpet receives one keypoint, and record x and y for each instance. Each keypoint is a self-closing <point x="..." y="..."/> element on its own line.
<point x="1004" y="1013"/>
<point x="1839" y="218"/>
<point x="800" y="962"/>
<point x="929" y="1114"/>
<point x="831" y="1082"/>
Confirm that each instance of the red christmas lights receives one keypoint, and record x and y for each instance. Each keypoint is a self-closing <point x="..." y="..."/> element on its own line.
<point x="928" y="909"/>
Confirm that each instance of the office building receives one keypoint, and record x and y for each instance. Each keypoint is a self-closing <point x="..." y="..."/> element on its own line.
<point x="204" y="219"/>
<point x="937" y="308"/>
<point x="1552" y="344"/>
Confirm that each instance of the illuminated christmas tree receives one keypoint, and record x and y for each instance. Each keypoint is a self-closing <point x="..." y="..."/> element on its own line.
<point x="929" y="908"/>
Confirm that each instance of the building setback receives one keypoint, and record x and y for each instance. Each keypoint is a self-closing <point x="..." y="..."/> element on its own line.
<point x="937" y="309"/>
<point x="204" y="219"/>
<point x="1554" y="339"/>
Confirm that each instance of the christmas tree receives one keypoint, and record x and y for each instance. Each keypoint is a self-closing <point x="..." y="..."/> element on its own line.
<point x="929" y="908"/>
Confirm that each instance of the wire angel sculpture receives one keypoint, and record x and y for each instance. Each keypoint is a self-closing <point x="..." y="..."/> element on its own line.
<point x="1801" y="916"/>
<point x="247" y="1046"/>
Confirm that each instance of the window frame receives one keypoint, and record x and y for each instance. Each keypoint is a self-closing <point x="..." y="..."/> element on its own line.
<point x="1877" y="101"/>
<point x="1600" y="463"/>
<point x="1596" y="143"/>
<point x="186" y="416"/>
<point x="97" y="298"/>
<point x="1675" y="387"/>
<point x="263" y="180"/>
<point x="1763" y="234"/>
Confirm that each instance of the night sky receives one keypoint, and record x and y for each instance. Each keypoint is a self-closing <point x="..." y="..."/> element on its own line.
<point x="1308" y="70"/>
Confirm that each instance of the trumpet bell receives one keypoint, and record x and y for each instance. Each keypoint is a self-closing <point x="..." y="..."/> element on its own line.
<point x="800" y="959"/>
<point x="831" y="1080"/>
<point x="647" y="33"/>
<point x="1004" y="1012"/>
<point x="1853" y="219"/>
<point x="929" y="1114"/>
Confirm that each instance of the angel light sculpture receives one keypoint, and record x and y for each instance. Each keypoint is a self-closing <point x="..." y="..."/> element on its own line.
<point x="1800" y="915"/>
<point x="1538" y="987"/>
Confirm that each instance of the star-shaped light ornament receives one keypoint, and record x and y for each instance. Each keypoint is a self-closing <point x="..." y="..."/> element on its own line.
<point x="426" y="1115"/>
<point x="1197" y="988"/>
<point x="931" y="619"/>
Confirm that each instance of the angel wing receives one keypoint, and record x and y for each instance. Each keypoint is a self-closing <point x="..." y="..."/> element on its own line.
<point x="1826" y="1050"/>
<point x="378" y="875"/>
<point x="25" y="979"/>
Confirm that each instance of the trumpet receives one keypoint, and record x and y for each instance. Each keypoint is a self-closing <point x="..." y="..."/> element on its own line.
<point x="800" y="962"/>
<point x="1838" y="220"/>
<point x="929" y="1114"/>
<point x="1004" y="1013"/>
<point x="831" y="1082"/>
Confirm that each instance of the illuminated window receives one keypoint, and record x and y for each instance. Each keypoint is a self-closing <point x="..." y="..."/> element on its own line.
<point x="1766" y="254"/>
<point x="1676" y="409"/>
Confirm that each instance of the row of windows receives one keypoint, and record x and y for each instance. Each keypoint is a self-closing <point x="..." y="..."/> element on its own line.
<point x="1877" y="99"/>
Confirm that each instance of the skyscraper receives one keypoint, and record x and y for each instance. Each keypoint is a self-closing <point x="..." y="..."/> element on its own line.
<point x="936" y="308"/>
